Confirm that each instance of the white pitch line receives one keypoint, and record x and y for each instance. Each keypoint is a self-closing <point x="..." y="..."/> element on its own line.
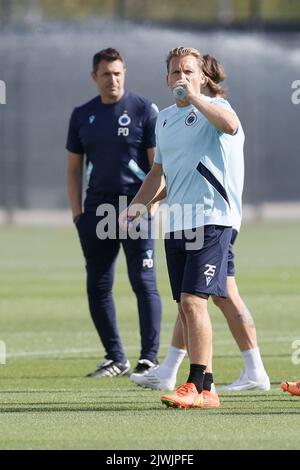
<point x="50" y="352"/>
<point x="64" y="352"/>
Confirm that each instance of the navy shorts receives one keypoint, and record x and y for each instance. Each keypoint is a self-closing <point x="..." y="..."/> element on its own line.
<point x="230" y="265"/>
<point x="200" y="271"/>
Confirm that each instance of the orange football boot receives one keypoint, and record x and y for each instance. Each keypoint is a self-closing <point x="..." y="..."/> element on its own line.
<point x="210" y="399"/>
<point x="292" y="387"/>
<point x="185" y="396"/>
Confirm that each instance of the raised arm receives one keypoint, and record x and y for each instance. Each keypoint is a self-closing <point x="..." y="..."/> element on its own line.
<point x="222" y="119"/>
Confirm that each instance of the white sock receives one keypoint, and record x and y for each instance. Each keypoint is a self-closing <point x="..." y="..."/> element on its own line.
<point x="254" y="367"/>
<point x="171" y="363"/>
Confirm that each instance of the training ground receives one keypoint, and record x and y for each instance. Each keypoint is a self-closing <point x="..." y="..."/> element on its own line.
<point x="45" y="401"/>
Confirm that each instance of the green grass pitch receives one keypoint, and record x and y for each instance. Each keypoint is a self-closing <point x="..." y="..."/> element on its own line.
<point x="45" y="401"/>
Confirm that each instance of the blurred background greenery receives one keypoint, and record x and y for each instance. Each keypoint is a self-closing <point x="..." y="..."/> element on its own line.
<point x="215" y="12"/>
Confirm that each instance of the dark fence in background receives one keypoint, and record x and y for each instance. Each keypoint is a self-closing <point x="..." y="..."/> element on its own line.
<point x="46" y="67"/>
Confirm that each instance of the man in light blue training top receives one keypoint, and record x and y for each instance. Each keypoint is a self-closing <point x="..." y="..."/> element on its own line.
<point x="240" y="321"/>
<point x="193" y="140"/>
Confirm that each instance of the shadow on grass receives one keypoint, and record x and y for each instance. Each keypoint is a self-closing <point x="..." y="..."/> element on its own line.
<point x="77" y="409"/>
<point x="63" y="407"/>
<point x="87" y="390"/>
<point x="74" y="357"/>
<point x="263" y="396"/>
<point x="42" y="377"/>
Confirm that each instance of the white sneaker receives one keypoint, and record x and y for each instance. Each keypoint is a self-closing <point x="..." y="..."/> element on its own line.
<point x="244" y="383"/>
<point x="152" y="380"/>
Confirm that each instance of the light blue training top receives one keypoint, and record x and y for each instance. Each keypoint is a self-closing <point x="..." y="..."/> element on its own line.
<point x="236" y="177"/>
<point x="203" y="167"/>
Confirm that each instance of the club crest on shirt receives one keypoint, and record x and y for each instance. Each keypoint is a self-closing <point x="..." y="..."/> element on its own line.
<point x="92" y="119"/>
<point x="124" y="120"/>
<point x="191" y="119"/>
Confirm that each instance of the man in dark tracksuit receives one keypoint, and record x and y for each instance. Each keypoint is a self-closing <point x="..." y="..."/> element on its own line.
<point x="116" y="133"/>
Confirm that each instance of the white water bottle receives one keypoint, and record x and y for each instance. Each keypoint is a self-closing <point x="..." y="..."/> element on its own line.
<point x="179" y="92"/>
